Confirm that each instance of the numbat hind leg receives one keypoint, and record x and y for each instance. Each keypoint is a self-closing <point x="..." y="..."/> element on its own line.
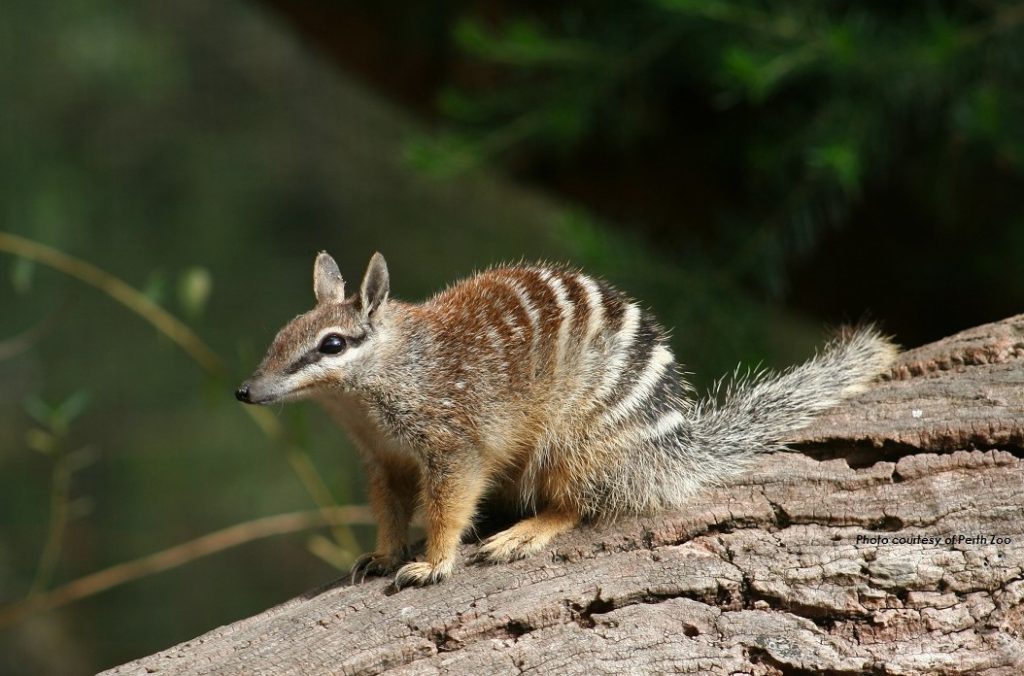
<point x="529" y="536"/>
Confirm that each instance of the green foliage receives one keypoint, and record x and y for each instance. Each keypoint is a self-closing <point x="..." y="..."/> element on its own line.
<point x="56" y="418"/>
<point x="523" y="43"/>
<point x="823" y="101"/>
<point x="51" y="438"/>
<point x="194" y="287"/>
<point x="22" y="273"/>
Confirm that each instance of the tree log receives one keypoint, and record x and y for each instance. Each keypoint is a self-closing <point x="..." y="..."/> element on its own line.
<point x="892" y="543"/>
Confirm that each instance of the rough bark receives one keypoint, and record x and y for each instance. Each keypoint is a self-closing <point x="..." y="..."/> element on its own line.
<point x="765" y="576"/>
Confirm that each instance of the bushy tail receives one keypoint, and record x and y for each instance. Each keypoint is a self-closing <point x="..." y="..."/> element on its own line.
<point x="711" y="441"/>
<point x="758" y="412"/>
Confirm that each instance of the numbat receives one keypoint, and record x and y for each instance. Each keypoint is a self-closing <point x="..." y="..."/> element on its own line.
<point x="536" y="383"/>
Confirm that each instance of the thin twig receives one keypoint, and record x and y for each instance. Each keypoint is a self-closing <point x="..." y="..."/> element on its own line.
<point x="60" y="489"/>
<point x="302" y="465"/>
<point x="163" y="320"/>
<point x="186" y="552"/>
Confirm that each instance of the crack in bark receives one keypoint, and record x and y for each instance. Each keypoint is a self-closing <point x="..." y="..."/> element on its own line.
<point x="867" y="455"/>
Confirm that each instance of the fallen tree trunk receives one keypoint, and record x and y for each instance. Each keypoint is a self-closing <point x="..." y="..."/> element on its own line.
<point x="893" y="544"/>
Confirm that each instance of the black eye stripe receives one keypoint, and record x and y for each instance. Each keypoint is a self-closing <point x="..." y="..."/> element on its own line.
<point x="315" y="355"/>
<point x="311" y="357"/>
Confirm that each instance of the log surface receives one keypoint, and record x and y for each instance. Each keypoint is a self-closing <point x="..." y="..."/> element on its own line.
<point x="894" y="544"/>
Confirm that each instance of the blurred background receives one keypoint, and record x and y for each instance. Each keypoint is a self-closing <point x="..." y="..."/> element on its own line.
<point x="754" y="172"/>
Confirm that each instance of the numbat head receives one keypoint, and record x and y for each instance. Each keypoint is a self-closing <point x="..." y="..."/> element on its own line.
<point x="536" y="384"/>
<point x="328" y="347"/>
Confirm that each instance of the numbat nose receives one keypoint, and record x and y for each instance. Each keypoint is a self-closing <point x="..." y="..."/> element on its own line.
<point x="242" y="394"/>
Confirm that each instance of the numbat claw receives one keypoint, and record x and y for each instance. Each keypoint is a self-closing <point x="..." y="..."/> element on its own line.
<point x="373" y="563"/>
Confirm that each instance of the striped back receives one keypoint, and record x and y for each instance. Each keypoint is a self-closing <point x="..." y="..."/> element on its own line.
<point x="588" y="368"/>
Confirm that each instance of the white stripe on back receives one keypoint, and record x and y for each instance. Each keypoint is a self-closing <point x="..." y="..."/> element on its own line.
<point x="661" y="357"/>
<point x="595" y="320"/>
<point x="565" y="307"/>
<point x="666" y="423"/>
<point x="622" y="346"/>
<point x="525" y="301"/>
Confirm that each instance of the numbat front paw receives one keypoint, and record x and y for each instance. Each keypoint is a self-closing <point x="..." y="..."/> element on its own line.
<point x="421" y="573"/>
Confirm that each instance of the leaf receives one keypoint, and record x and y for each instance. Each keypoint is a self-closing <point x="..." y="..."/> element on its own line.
<point x="39" y="410"/>
<point x="760" y="74"/>
<point x="194" y="287"/>
<point x="22" y="275"/>
<point x="841" y="161"/>
<point x="522" y="43"/>
<point x="40" y="441"/>
<point x="71" y="408"/>
<point x="81" y="458"/>
<point x="741" y="66"/>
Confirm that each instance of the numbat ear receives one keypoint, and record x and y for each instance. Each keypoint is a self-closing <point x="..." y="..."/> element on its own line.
<point x="328" y="286"/>
<point x="375" y="287"/>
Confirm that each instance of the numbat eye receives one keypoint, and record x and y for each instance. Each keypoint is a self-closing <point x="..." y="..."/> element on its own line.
<point x="332" y="344"/>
